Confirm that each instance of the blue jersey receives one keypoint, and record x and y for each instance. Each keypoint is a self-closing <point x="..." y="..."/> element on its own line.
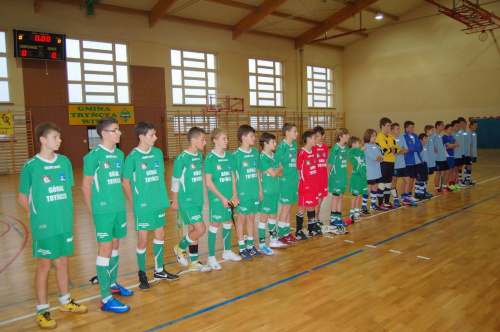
<point x="425" y="155"/>
<point x="415" y="146"/>
<point x="400" y="158"/>
<point x="474" y="144"/>
<point x="449" y="140"/>
<point x="459" y="150"/>
<point x="467" y="139"/>
<point x="437" y="139"/>
<point x="373" y="171"/>
<point x="431" y="158"/>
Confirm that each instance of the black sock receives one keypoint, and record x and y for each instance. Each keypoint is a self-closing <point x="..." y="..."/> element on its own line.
<point x="300" y="220"/>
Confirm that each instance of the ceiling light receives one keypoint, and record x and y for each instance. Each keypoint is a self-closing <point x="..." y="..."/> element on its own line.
<point x="379" y="16"/>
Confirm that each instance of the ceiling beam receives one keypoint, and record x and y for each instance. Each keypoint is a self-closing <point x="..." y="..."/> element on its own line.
<point x="37" y="5"/>
<point x="264" y="9"/>
<point x="332" y="21"/>
<point x="386" y="15"/>
<point x="159" y="9"/>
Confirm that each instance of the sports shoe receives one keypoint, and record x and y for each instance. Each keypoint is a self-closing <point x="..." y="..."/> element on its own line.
<point x="165" y="275"/>
<point x="349" y="221"/>
<point x="213" y="264"/>
<point x="461" y="184"/>
<point x="344" y="223"/>
<point x="471" y="182"/>
<point x="358" y="218"/>
<point x="313" y="232"/>
<point x="245" y="255"/>
<point x="365" y="211"/>
<point x="45" y="321"/>
<point x="396" y="204"/>
<point x="317" y="228"/>
<point x="454" y="187"/>
<point x="407" y="202"/>
<point x="387" y="205"/>
<point x="445" y="191"/>
<point x="291" y="239"/>
<point x="438" y="191"/>
<point x="375" y="208"/>
<point x="301" y="236"/>
<point x="265" y="250"/>
<point x="276" y="244"/>
<point x="382" y="207"/>
<point x="114" y="305"/>
<point x="230" y="256"/>
<point x="118" y="289"/>
<point x="254" y="252"/>
<point x="428" y="196"/>
<point x="284" y="240"/>
<point x="414" y="199"/>
<point x="143" y="281"/>
<point x="198" y="267"/>
<point x="73" y="307"/>
<point x="181" y="255"/>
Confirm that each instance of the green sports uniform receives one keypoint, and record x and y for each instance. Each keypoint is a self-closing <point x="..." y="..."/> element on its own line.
<point x="108" y="200"/>
<point x="146" y="171"/>
<point x="188" y="168"/>
<point x="247" y="180"/>
<point x="359" y="183"/>
<point x="270" y="185"/>
<point x="289" y="183"/>
<point x="337" y="179"/>
<point x="48" y="184"/>
<point x="221" y="169"/>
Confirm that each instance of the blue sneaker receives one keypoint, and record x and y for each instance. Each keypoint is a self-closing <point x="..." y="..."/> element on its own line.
<point x="397" y="204"/>
<point x="245" y="254"/>
<point x="120" y="290"/>
<point x="114" y="305"/>
<point x="343" y="223"/>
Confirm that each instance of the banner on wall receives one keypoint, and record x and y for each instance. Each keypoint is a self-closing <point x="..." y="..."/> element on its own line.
<point x="88" y="115"/>
<point x="6" y="124"/>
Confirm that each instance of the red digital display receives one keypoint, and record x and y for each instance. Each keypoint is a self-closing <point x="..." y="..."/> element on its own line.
<point x="39" y="45"/>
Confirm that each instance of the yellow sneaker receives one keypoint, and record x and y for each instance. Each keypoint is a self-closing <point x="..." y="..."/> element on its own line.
<point x="74" y="307"/>
<point x="45" y="321"/>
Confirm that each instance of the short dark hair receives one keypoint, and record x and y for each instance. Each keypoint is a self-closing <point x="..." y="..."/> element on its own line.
<point x="265" y="138"/>
<point x="244" y="130"/>
<point x="43" y="129"/>
<point x="368" y="135"/>
<point x="473" y="122"/>
<point x="104" y="123"/>
<point x="448" y="126"/>
<point x="287" y="127"/>
<point x="352" y="140"/>
<point x="438" y="123"/>
<point x="194" y="132"/>
<point x="394" y="125"/>
<point x="461" y="119"/>
<point x="143" y="127"/>
<point x="409" y="123"/>
<point x="422" y="136"/>
<point x="428" y="127"/>
<point x="319" y="129"/>
<point x="307" y="134"/>
<point x="454" y="122"/>
<point x="384" y="121"/>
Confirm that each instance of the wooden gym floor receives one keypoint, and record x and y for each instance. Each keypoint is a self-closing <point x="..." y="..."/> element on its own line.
<point x="434" y="267"/>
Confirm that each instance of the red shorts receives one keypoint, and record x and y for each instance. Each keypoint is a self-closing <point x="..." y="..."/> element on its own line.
<point x="309" y="198"/>
<point x="323" y="192"/>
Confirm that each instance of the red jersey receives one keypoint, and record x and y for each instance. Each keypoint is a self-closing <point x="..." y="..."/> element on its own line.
<point x="321" y="153"/>
<point x="307" y="165"/>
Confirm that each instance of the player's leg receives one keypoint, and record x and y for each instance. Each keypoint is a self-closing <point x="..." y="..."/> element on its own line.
<point x="228" y="254"/>
<point x="437" y="178"/>
<point x="243" y="212"/>
<point x="212" y="239"/>
<point x="250" y="230"/>
<point x="299" y="218"/>
<point x="196" y="231"/>
<point x="158" y="250"/>
<point x="41" y="289"/>
<point x="66" y="303"/>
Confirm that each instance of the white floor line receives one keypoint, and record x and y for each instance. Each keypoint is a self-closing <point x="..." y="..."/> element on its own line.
<point x="422" y="257"/>
<point x="395" y="251"/>
<point x="370" y="246"/>
<point x="328" y="236"/>
<point x="349" y="241"/>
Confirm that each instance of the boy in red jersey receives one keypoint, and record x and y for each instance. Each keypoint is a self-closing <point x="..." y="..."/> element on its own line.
<point x="320" y="150"/>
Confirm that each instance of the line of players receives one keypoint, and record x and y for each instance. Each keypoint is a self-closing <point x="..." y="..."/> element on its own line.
<point x="243" y="180"/>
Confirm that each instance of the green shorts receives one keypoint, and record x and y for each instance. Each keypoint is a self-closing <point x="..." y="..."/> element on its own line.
<point x="192" y="214"/>
<point x="358" y="185"/>
<point x="289" y="195"/>
<point x="248" y="207"/>
<point x="337" y="185"/>
<point x="217" y="212"/>
<point x="60" y="245"/>
<point x="150" y="221"/>
<point x="269" y="204"/>
<point x="109" y="226"/>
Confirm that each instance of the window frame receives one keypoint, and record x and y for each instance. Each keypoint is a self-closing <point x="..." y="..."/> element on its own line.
<point x="329" y="96"/>
<point x="4" y="55"/>
<point x="263" y="79"/>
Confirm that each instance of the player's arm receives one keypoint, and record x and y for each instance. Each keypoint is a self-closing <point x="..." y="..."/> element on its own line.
<point x="235" y="199"/>
<point x="23" y="200"/>
<point x="383" y="145"/>
<point x="211" y="185"/>
<point x="274" y="172"/>
<point x="87" y="190"/>
<point x="127" y="189"/>
<point x="175" y="190"/>
<point x="261" y="194"/>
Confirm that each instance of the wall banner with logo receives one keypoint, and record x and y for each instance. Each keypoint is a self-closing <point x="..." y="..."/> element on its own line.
<point x="88" y="115"/>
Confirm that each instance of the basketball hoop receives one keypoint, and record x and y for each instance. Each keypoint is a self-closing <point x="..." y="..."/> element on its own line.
<point x="224" y="103"/>
<point x="483" y="36"/>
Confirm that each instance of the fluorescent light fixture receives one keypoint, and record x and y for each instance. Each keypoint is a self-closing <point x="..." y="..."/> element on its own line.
<point x="379" y="16"/>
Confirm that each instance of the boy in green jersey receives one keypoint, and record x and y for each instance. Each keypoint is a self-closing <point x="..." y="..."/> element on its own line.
<point x="359" y="184"/>
<point x="45" y="195"/>
<point x="187" y="197"/>
<point x="144" y="171"/>
<point x="286" y="155"/>
<point x="337" y="177"/>
<point x="271" y="171"/>
<point x="249" y="190"/>
<point x="103" y="195"/>
<point x="221" y="183"/>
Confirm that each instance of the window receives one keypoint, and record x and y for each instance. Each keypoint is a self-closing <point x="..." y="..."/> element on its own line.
<point x="182" y="124"/>
<point x="4" y="74"/>
<point x="193" y="77"/>
<point x="266" y="82"/>
<point x="97" y="72"/>
<point x="319" y="87"/>
<point x="266" y="123"/>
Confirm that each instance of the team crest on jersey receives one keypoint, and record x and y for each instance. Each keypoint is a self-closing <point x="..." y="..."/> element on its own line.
<point x="192" y="166"/>
<point x="201" y="164"/>
<point x="144" y="166"/>
<point x="62" y="177"/>
<point x="218" y="167"/>
<point x="157" y="164"/>
<point x="318" y="155"/>
<point x="340" y="156"/>
<point x="245" y="164"/>
<point x="255" y="162"/>
<point x="105" y="164"/>
<point x="229" y="166"/>
<point x="118" y="164"/>
<point x="290" y="155"/>
<point x="308" y="162"/>
<point x="324" y="154"/>
<point x="46" y="178"/>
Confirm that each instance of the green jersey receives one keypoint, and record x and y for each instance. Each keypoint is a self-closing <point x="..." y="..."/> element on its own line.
<point x="221" y="168"/>
<point x="146" y="171"/>
<point x="287" y="155"/>
<point x="106" y="168"/>
<point x="188" y="168"/>
<point x="338" y="160"/>
<point x="270" y="185"/>
<point x="48" y="184"/>
<point x="247" y="177"/>
<point x="357" y="159"/>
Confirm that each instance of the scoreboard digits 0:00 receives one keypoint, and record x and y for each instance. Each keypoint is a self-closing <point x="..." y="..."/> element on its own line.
<point x="39" y="45"/>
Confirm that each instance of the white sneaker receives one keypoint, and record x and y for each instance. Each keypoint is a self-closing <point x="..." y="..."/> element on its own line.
<point x="265" y="250"/>
<point x="413" y="199"/>
<point x="277" y="244"/>
<point x="230" y="256"/>
<point x="213" y="264"/>
<point x="461" y="184"/>
<point x="197" y="266"/>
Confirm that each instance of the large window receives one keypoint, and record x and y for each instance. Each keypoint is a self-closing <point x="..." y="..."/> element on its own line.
<point x="319" y="87"/>
<point x="97" y="72"/>
<point x="4" y="74"/>
<point x="266" y="82"/>
<point x="193" y="77"/>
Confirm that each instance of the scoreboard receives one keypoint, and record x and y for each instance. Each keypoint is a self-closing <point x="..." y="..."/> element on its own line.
<point x="39" y="45"/>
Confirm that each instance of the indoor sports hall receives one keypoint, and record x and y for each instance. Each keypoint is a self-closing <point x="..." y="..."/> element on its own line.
<point x="224" y="63"/>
